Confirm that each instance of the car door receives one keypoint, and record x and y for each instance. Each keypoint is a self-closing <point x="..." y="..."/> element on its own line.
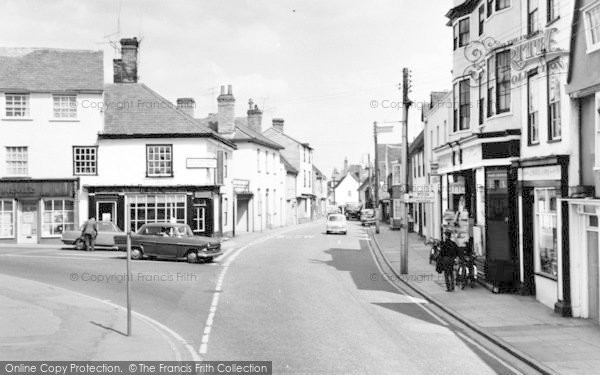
<point x="148" y="237"/>
<point x="105" y="234"/>
<point x="165" y="243"/>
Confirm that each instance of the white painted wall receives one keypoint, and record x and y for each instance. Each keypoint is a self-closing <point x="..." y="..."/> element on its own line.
<point x="347" y="191"/>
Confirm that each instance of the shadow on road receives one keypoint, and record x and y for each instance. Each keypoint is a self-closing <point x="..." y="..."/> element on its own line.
<point x="108" y="328"/>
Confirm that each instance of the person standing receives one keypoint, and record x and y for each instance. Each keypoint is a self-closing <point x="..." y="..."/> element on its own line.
<point x="89" y="233"/>
<point x="448" y="252"/>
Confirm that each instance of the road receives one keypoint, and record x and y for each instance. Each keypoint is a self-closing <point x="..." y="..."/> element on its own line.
<point x="309" y="302"/>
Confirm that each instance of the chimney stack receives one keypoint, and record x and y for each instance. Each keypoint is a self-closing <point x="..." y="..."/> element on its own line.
<point x="186" y="105"/>
<point x="278" y="124"/>
<point x="125" y="68"/>
<point x="226" y="113"/>
<point x="254" y="117"/>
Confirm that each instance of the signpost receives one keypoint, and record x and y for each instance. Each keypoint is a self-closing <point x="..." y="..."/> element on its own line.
<point x="128" y="285"/>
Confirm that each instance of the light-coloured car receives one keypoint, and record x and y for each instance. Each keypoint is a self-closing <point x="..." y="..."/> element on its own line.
<point x="105" y="239"/>
<point x="336" y="223"/>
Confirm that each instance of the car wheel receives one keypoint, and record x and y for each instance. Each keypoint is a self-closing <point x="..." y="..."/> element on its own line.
<point x="136" y="253"/>
<point x="79" y="245"/>
<point x="192" y="257"/>
<point x="328" y="232"/>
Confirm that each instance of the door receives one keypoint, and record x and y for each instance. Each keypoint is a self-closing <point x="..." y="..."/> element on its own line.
<point x="593" y="276"/>
<point x="28" y="222"/>
<point x="528" y="287"/>
<point x="106" y="211"/>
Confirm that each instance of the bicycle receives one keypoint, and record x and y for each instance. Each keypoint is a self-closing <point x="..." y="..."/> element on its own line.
<point x="466" y="272"/>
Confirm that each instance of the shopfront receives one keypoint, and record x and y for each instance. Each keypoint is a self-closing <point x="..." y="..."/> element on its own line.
<point x="37" y="211"/>
<point x="131" y="207"/>
<point x="541" y="183"/>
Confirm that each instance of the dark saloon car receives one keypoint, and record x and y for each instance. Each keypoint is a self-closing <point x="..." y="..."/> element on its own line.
<point x="170" y="241"/>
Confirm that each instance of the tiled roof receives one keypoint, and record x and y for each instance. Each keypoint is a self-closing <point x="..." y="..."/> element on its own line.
<point x="288" y="166"/>
<point x="243" y="133"/>
<point x="272" y="131"/>
<point x="51" y="70"/>
<point x="133" y="109"/>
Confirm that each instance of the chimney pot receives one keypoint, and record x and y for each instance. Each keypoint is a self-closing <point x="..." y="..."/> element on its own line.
<point x="230" y="90"/>
<point x="125" y="68"/>
<point x="254" y="117"/>
<point x="186" y="105"/>
<point x="222" y="90"/>
<point x="226" y="113"/>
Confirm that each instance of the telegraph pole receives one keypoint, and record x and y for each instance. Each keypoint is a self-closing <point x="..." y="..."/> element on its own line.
<point x="404" y="169"/>
<point x="376" y="180"/>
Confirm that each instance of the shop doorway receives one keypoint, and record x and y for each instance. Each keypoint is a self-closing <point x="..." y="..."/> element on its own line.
<point x="242" y="225"/>
<point x="106" y="211"/>
<point x="28" y="222"/>
<point x="528" y="287"/>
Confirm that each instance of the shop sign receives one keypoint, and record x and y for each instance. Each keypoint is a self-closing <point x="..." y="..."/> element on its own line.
<point x="37" y="189"/>
<point x="546" y="173"/>
<point x="421" y="197"/>
<point x="200" y="163"/>
<point x="202" y="194"/>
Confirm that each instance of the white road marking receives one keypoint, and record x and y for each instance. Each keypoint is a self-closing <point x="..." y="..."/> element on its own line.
<point x="403" y="292"/>
<point x="473" y="342"/>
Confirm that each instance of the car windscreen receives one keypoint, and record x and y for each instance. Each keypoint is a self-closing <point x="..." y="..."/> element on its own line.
<point x="106" y="227"/>
<point x="152" y="231"/>
<point x="336" y="218"/>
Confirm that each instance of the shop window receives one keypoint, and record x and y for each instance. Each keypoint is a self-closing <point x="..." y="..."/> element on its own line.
<point x="7" y="218"/>
<point x="545" y="233"/>
<point x="58" y="215"/>
<point x="17" y="161"/>
<point x="159" y="160"/>
<point x="65" y="106"/>
<point x="159" y="208"/>
<point x="85" y="160"/>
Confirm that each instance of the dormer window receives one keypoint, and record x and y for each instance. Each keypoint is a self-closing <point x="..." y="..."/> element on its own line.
<point x="65" y="106"/>
<point x="17" y="105"/>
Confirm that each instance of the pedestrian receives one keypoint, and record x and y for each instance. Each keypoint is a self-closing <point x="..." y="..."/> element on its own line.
<point x="448" y="252"/>
<point x="89" y="233"/>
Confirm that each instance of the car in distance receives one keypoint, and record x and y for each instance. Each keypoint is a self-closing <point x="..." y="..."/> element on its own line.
<point x="367" y="217"/>
<point x="170" y="241"/>
<point x="336" y="223"/>
<point x="105" y="238"/>
<point x="352" y="210"/>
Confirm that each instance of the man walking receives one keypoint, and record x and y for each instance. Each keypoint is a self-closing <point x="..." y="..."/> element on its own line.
<point x="89" y="233"/>
<point x="448" y="252"/>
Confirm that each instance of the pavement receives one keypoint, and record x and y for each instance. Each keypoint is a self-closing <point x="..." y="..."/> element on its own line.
<point x="520" y="324"/>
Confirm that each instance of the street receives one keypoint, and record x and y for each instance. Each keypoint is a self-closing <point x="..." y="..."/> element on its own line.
<point x="309" y="302"/>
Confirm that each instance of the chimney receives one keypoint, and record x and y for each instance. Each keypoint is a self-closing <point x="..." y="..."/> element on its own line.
<point x="346" y="165"/>
<point x="278" y="124"/>
<point x="186" y="105"/>
<point x="125" y="68"/>
<point x="226" y="113"/>
<point x="254" y="117"/>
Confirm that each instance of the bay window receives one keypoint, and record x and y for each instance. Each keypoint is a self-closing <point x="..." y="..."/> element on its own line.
<point x="545" y="232"/>
<point x="491" y="86"/>
<point x="58" y="215"/>
<point x="552" y="10"/>
<point x="481" y="18"/>
<point x="502" y="4"/>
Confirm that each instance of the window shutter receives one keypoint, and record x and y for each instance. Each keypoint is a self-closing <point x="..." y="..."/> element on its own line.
<point x="219" y="179"/>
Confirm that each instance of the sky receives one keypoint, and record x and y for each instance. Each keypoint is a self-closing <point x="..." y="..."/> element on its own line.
<point x="328" y="68"/>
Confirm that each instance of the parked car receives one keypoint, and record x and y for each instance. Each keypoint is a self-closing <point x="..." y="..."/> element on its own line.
<point x="170" y="241"/>
<point x="105" y="239"/>
<point x="367" y="217"/>
<point x="352" y="210"/>
<point x="336" y="223"/>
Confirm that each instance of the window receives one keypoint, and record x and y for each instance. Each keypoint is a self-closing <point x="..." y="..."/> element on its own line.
<point x="533" y="136"/>
<point x="464" y="36"/>
<point x="7" y="218"/>
<point x="396" y="171"/>
<point x="502" y="4"/>
<point x="16" y="161"/>
<point x="220" y="170"/>
<point x="455" y="36"/>
<point x="592" y="27"/>
<point x="554" y="118"/>
<point x="57" y="216"/>
<point x="552" y="10"/>
<point x="225" y="160"/>
<point x="85" y="160"/>
<point x="225" y="210"/>
<point x="532" y="17"/>
<point x="199" y="219"/>
<point x="17" y="105"/>
<point x="304" y="150"/>
<point x="258" y="160"/>
<point x="481" y="101"/>
<point x="274" y="164"/>
<point x="156" y="208"/>
<point x="259" y="202"/>
<point x="349" y="194"/>
<point x="491" y="86"/>
<point x="503" y="77"/>
<point x="545" y="235"/>
<point x="304" y="174"/>
<point x="65" y="106"/>
<point x="159" y="160"/>
<point x="267" y="161"/>
<point x="462" y="106"/>
<point x="490" y="7"/>
<point x="481" y="18"/>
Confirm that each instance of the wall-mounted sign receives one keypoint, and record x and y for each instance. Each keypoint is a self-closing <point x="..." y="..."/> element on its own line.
<point x="549" y="172"/>
<point x="37" y="189"/>
<point x="199" y="163"/>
